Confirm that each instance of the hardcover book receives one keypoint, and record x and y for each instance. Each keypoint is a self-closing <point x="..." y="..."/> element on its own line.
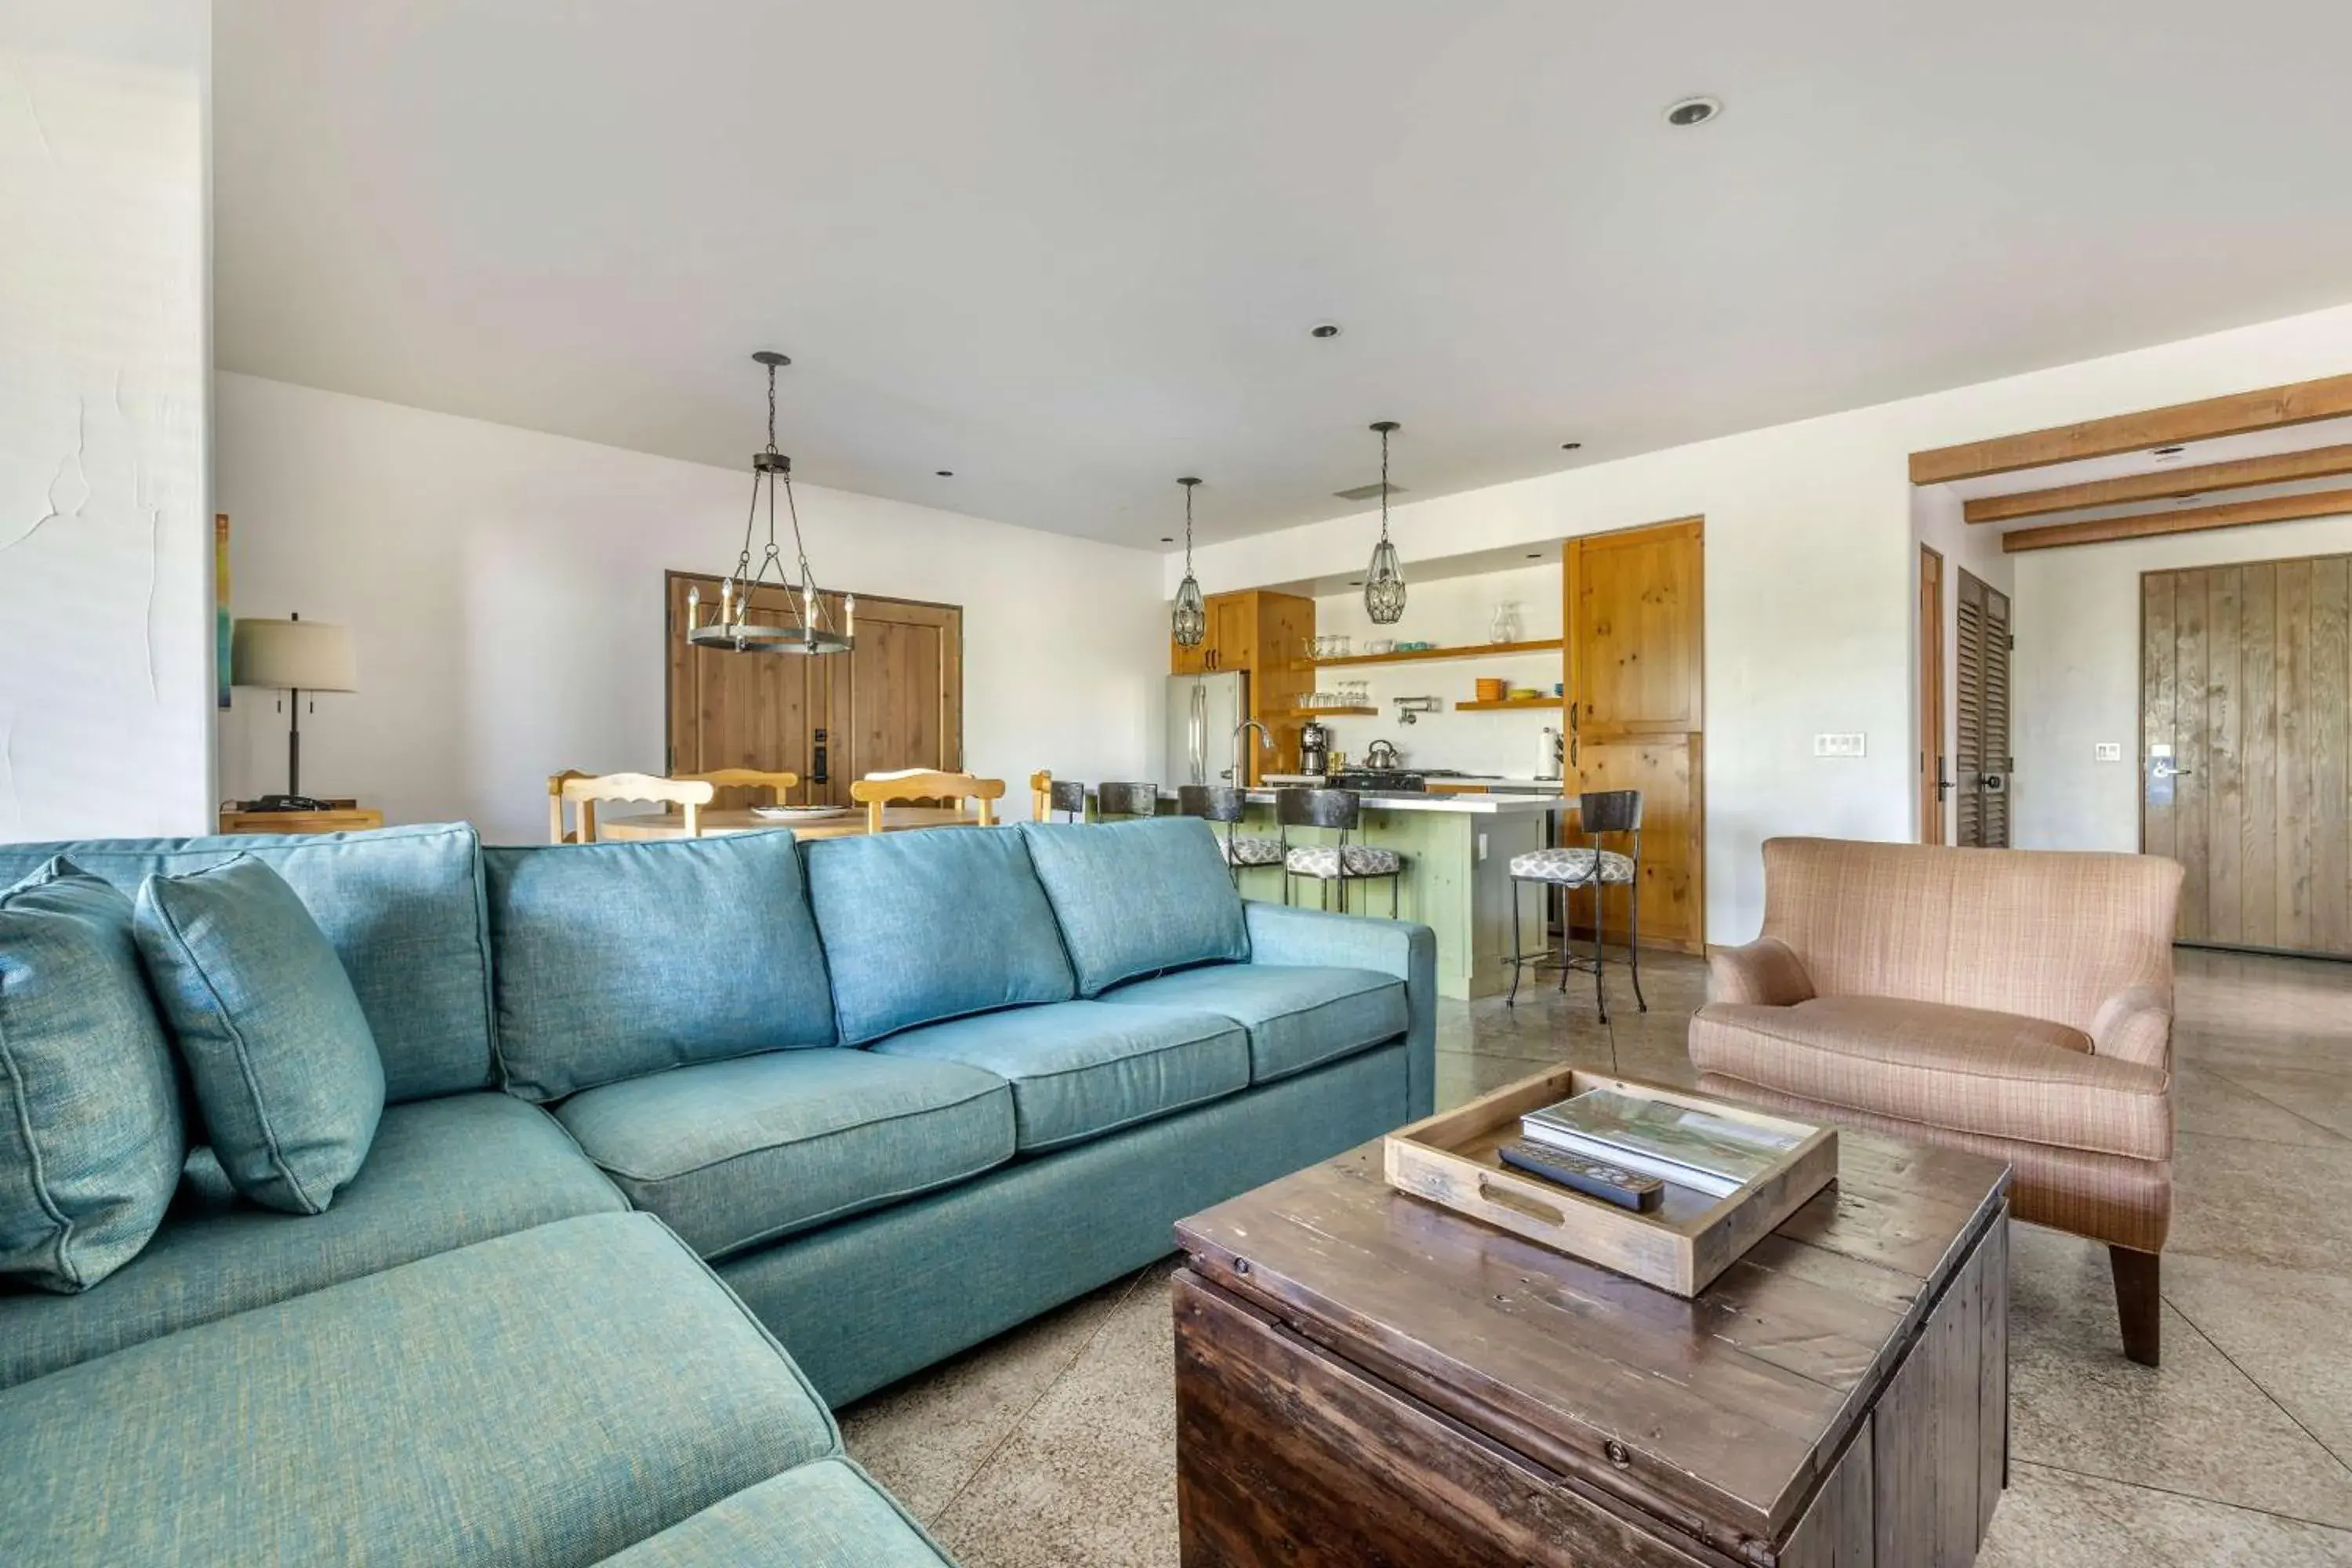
<point x="1676" y="1144"/>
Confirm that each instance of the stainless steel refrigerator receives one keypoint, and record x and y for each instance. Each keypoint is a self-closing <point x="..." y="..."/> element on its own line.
<point x="1203" y="710"/>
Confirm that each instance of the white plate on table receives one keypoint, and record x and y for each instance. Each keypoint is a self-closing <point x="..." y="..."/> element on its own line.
<point x="799" y="813"/>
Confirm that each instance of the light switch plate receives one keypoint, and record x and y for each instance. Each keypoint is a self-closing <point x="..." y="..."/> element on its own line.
<point x="1837" y="745"/>
<point x="2107" y="752"/>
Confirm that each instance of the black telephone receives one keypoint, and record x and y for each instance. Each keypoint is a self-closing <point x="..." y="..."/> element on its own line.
<point x="285" y="803"/>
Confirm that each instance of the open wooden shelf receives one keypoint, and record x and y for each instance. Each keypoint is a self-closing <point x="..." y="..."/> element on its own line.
<point x="1330" y="712"/>
<point x="1510" y="702"/>
<point x="1431" y="655"/>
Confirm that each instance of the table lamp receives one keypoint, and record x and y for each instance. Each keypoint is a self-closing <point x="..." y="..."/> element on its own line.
<point x="292" y="657"/>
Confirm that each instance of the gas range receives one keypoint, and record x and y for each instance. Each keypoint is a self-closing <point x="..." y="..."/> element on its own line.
<point x="1381" y="781"/>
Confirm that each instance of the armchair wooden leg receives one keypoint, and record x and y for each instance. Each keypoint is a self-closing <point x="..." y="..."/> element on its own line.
<point x="2138" y="1302"/>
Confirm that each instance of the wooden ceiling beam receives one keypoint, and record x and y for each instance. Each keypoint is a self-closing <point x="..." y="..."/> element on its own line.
<point x="2188" y="520"/>
<point x="2299" y="403"/>
<point x="2277" y="468"/>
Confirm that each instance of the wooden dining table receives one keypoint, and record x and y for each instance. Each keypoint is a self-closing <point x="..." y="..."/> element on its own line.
<point x="851" y="822"/>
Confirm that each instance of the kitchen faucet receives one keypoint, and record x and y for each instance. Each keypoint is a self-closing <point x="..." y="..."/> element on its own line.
<point x="1240" y="774"/>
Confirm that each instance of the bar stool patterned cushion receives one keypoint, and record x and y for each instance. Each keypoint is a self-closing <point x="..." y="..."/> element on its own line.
<point x="1324" y="860"/>
<point x="1570" y="868"/>
<point x="1251" y="851"/>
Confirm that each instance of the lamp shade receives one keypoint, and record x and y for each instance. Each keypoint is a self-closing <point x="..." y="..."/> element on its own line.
<point x="294" y="656"/>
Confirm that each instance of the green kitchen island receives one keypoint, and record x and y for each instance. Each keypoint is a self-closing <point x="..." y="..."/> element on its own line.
<point x="1457" y="851"/>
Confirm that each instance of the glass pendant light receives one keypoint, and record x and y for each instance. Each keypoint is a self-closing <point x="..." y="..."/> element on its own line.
<point x="1384" y="578"/>
<point x="1190" y="623"/>
<point x="734" y="627"/>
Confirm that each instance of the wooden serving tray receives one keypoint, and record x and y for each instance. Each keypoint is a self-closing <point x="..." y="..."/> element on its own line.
<point x="1681" y="1245"/>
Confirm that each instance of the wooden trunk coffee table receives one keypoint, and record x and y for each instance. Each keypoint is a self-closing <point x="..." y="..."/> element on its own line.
<point x="1364" y="1378"/>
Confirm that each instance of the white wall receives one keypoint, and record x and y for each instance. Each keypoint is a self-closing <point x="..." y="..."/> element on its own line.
<point x="1811" y="571"/>
<point x="505" y="592"/>
<point x="105" y="531"/>
<point x="1451" y="611"/>
<point x="2078" y="649"/>
<point x="1939" y="521"/>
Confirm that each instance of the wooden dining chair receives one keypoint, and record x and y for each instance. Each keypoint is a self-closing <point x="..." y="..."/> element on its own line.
<point x="582" y="792"/>
<point x="876" y="791"/>
<point x="777" y="784"/>
<point x="556" y="832"/>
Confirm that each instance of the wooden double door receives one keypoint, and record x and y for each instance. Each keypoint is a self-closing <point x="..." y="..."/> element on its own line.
<point x="2246" y="711"/>
<point x="894" y="700"/>
<point x="1636" y="617"/>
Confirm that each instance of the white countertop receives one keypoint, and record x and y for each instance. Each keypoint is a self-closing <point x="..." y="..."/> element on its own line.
<point x="1465" y="805"/>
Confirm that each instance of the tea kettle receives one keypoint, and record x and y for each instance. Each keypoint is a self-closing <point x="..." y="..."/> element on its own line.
<point x="1383" y="754"/>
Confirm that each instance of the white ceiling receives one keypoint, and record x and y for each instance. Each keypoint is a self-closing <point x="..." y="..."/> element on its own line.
<point x="1070" y="249"/>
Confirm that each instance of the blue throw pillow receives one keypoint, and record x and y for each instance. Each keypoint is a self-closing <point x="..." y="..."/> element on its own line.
<point x="1136" y="898"/>
<point x="90" y="1134"/>
<point x="611" y="961"/>
<point x="932" y="924"/>
<point x="284" y="1067"/>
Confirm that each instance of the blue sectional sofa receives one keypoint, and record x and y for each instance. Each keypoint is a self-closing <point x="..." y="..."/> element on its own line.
<point x="657" y="1113"/>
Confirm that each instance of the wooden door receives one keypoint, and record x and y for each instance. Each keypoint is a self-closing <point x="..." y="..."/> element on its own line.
<point x="2245" y="710"/>
<point x="1932" y="759"/>
<point x="730" y="710"/>
<point x="894" y="700"/>
<point x="897" y="700"/>
<point x="1980" y="758"/>
<point x="1635" y="614"/>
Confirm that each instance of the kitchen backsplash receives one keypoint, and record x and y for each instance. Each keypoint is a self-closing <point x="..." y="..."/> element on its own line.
<point x="1453" y="612"/>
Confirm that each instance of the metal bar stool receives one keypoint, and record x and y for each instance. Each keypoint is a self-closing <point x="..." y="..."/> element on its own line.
<point x="1328" y="863"/>
<point x="1599" y="814"/>
<point x="1048" y="795"/>
<point x="1127" y="800"/>
<point x="1223" y="803"/>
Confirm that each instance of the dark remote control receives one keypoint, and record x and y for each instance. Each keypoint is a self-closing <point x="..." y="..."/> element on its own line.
<point x="1609" y="1183"/>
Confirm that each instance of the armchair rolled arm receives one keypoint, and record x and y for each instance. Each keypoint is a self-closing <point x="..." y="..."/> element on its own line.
<point x="2136" y="1025"/>
<point x="1767" y="972"/>
<point x="1280" y="933"/>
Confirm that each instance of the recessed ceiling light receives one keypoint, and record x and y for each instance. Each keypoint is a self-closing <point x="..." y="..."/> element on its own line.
<point x="2161" y="453"/>
<point x="1695" y="111"/>
<point x="1535" y="555"/>
<point x="1167" y="539"/>
<point x="1570" y="446"/>
<point x="1324" y="330"/>
<point x="946" y="473"/>
<point x="1357" y="583"/>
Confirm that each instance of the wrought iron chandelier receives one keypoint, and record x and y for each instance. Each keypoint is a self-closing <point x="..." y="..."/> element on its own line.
<point x="734" y="629"/>
<point x="1190" y="623"/>
<point x="1384" y="578"/>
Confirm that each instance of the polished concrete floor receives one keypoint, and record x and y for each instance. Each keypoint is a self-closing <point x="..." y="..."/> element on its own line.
<point x="1055" y="1443"/>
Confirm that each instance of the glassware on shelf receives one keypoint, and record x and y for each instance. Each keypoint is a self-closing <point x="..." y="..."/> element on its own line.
<point x="1343" y="650"/>
<point x="1504" y="625"/>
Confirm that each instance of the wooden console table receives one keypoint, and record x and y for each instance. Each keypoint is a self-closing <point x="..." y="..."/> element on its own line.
<point x="344" y="817"/>
<point x="1365" y="1378"/>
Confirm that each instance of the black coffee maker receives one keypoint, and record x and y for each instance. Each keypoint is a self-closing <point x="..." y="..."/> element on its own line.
<point x="1314" y="748"/>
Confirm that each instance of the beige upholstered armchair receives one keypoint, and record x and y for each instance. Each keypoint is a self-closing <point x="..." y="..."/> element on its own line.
<point x="2015" y="1003"/>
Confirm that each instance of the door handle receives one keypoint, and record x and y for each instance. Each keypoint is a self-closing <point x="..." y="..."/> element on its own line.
<point x="1572" y="746"/>
<point x="1943" y="780"/>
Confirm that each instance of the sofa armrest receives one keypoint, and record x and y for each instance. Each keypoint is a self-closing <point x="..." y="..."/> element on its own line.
<point x="1280" y="933"/>
<point x="2136" y="1025"/>
<point x="1767" y="972"/>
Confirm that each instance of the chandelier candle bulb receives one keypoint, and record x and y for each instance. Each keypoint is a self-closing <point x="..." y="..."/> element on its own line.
<point x="849" y="615"/>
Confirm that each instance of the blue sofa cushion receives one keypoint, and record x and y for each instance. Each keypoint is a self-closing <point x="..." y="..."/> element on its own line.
<point x="443" y="1173"/>
<point x="90" y="1134"/>
<point x="1079" y="1069"/>
<point x="932" y="924"/>
<point x="278" y="1051"/>
<point x="1136" y="898"/>
<point x="1298" y="1016"/>
<point x="402" y="907"/>
<point x="735" y="1152"/>
<point x="552" y="1396"/>
<point x="614" y="960"/>
<point x="826" y="1514"/>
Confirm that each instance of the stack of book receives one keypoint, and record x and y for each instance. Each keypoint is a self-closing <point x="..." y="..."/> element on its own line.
<point x="1679" y="1144"/>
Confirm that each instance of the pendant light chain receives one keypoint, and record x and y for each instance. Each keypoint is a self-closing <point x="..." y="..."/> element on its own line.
<point x="734" y="629"/>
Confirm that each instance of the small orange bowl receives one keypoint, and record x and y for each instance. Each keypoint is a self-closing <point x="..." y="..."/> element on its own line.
<point x="1491" y="690"/>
